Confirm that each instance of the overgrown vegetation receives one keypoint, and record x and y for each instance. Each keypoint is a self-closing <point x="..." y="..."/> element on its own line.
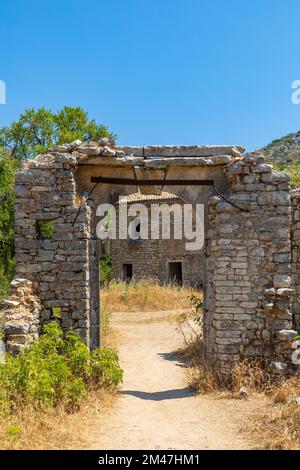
<point x="145" y="295"/>
<point x="278" y="427"/>
<point x="46" y="229"/>
<point x="105" y="269"/>
<point x="277" y="424"/>
<point x="55" y="370"/>
<point x="293" y="169"/>
<point x="32" y="134"/>
<point x="7" y="197"/>
<point x="284" y="155"/>
<point x="37" y="130"/>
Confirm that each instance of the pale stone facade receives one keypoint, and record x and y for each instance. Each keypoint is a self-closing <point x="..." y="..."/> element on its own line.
<point x="248" y="270"/>
<point x="156" y="259"/>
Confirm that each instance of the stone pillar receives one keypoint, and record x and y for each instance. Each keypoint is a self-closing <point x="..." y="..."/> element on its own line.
<point x="248" y="260"/>
<point x="53" y="239"/>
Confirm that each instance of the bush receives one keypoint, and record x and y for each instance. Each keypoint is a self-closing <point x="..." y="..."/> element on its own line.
<point x="105" y="268"/>
<point x="7" y="170"/>
<point x="56" y="369"/>
<point x="46" y="229"/>
<point x="293" y="169"/>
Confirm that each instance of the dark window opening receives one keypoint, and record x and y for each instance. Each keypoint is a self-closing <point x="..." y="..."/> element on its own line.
<point x="127" y="272"/>
<point x="175" y="272"/>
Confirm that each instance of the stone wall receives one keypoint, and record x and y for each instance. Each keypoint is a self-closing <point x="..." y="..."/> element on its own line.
<point x="22" y="312"/>
<point x="58" y="264"/>
<point x="150" y="257"/>
<point x="295" y="233"/>
<point x="248" y="295"/>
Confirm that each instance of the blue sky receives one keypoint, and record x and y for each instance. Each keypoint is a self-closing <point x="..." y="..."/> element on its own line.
<point x="157" y="71"/>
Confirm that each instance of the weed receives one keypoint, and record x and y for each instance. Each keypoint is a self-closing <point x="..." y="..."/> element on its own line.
<point x="55" y="370"/>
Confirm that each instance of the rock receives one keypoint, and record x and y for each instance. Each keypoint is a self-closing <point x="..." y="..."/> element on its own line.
<point x="268" y="306"/>
<point x="108" y="152"/>
<point x="265" y="334"/>
<point x="58" y="148"/>
<point x="87" y="150"/>
<point x="73" y="145"/>
<point x="105" y="141"/>
<point x="275" y="177"/>
<point x="270" y="292"/>
<point x="9" y="303"/>
<point x="20" y="282"/>
<point x="227" y="228"/>
<point x="287" y="335"/>
<point x="295" y="401"/>
<point x="243" y="392"/>
<point x="279" y="368"/>
<point x="281" y="281"/>
<point x="16" y="328"/>
<point x="284" y="292"/>
<point x="273" y="198"/>
<point x="262" y="168"/>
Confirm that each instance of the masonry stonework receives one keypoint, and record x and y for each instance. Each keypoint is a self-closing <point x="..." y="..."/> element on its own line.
<point x="150" y="258"/>
<point x="251" y="253"/>
<point x="248" y="296"/>
<point x="295" y="239"/>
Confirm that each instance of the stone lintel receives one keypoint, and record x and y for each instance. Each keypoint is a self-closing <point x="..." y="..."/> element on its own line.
<point x="184" y="150"/>
<point x="158" y="162"/>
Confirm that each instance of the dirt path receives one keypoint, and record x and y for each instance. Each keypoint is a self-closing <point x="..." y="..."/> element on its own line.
<point x="156" y="410"/>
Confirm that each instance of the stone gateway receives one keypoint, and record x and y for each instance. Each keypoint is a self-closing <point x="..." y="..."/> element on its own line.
<point x="250" y="258"/>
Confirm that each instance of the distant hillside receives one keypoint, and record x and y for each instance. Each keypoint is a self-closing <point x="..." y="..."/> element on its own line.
<point x="284" y="150"/>
<point x="284" y="155"/>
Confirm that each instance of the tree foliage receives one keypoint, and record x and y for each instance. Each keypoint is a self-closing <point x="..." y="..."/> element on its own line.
<point x="8" y="167"/>
<point x="37" y="130"/>
<point x="33" y="133"/>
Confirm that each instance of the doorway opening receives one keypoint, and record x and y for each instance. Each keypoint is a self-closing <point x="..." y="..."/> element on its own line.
<point x="127" y="272"/>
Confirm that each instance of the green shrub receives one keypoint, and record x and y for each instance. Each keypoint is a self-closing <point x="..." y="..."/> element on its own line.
<point x="293" y="169"/>
<point x="105" y="367"/>
<point x="197" y="305"/>
<point x="46" y="229"/>
<point x="56" y="369"/>
<point x="13" y="432"/>
<point x="6" y="275"/>
<point x="8" y="167"/>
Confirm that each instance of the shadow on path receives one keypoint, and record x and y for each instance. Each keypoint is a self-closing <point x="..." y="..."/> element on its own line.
<point x="174" y="394"/>
<point x="174" y="357"/>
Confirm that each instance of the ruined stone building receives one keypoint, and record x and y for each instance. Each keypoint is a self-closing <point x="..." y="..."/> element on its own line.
<point x="251" y="255"/>
<point x="162" y="260"/>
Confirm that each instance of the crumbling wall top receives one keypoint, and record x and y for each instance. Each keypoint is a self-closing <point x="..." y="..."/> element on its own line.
<point x="106" y="153"/>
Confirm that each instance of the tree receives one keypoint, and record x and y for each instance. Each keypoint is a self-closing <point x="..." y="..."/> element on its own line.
<point x="37" y="130"/>
<point x="8" y="167"/>
<point x="32" y="134"/>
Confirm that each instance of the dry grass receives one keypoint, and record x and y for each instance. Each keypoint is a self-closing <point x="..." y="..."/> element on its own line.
<point x="278" y="427"/>
<point x="54" y="428"/>
<point x="276" y="424"/>
<point x="144" y="296"/>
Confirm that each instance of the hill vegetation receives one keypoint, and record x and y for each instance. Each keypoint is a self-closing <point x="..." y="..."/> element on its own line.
<point x="284" y="154"/>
